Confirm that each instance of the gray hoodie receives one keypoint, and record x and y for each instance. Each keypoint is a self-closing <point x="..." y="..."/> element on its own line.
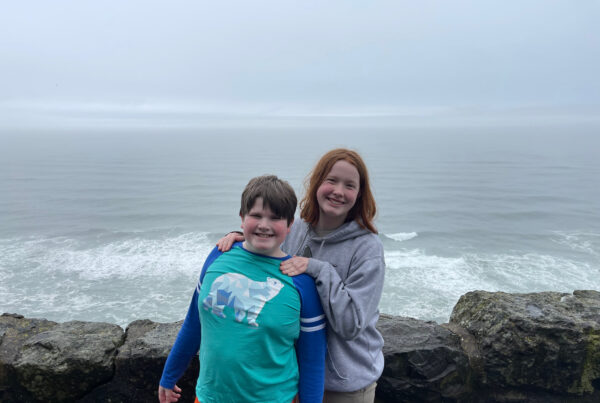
<point x="348" y="268"/>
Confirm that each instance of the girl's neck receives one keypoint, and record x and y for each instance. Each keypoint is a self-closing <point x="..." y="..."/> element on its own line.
<point x="325" y="225"/>
<point x="322" y="232"/>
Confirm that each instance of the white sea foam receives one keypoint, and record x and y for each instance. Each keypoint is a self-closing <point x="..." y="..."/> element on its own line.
<point x="119" y="281"/>
<point x="138" y="275"/>
<point x="586" y="242"/>
<point x="402" y="236"/>
<point x="121" y="259"/>
<point x="427" y="286"/>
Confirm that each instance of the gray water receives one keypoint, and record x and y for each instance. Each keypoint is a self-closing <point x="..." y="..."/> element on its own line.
<point x="114" y="226"/>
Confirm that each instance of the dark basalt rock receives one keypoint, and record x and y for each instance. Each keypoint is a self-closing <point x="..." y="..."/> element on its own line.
<point x="15" y="330"/>
<point x="139" y="365"/>
<point x="535" y="347"/>
<point x="67" y="361"/>
<point x="498" y="347"/>
<point x="424" y="362"/>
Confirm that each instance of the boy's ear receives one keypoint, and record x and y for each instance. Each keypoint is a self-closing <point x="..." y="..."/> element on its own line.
<point x="242" y="217"/>
<point x="289" y="228"/>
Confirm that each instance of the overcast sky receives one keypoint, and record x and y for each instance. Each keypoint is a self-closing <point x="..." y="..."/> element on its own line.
<point x="192" y="63"/>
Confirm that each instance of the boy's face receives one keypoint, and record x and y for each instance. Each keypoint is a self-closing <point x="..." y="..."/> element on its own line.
<point x="264" y="231"/>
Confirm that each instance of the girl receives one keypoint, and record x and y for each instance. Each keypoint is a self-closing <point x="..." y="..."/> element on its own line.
<point x="336" y="243"/>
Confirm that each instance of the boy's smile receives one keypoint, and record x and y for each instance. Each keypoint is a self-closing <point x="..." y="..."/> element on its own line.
<point x="264" y="230"/>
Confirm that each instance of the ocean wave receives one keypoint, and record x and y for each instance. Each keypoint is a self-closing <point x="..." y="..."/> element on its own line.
<point x="132" y="276"/>
<point x="126" y="257"/>
<point x="427" y="286"/>
<point x="120" y="277"/>
<point x="402" y="236"/>
<point x="579" y="241"/>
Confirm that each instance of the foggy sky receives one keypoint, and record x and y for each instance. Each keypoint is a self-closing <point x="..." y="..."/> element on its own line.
<point x="193" y="63"/>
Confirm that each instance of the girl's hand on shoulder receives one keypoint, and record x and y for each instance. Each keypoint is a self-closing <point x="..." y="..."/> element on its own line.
<point x="169" y="395"/>
<point x="294" y="266"/>
<point x="225" y="243"/>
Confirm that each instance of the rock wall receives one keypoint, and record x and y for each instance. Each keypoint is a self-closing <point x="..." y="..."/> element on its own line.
<point x="498" y="347"/>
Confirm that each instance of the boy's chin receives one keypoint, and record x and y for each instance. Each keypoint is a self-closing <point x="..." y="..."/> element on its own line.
<point x="267" y="250"/>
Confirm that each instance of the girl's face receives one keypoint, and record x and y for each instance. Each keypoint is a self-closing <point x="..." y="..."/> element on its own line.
<point x="337" y="194"/>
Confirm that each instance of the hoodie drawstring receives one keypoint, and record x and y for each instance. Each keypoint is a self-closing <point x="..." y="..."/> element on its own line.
<point x="303" y="241"/>
<point x="322" y="243"/>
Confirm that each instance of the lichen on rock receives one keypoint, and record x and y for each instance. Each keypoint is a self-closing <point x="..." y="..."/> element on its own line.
<point x="537" y="343"/>
<point x="497" y="347"/>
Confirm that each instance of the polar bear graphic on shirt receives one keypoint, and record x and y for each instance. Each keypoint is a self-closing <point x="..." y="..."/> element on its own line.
<point x="246" y="296"/>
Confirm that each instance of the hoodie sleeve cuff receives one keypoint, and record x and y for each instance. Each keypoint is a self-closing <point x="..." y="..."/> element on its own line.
<point x="314" y="267"/>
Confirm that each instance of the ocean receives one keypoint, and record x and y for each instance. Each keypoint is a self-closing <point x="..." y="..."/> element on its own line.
<point x="115" y="225"/>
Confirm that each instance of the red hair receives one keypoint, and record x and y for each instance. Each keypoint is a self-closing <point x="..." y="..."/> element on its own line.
<point x="364" y="208"/>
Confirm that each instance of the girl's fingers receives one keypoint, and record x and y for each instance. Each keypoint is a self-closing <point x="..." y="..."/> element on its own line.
<point x="284" y="267"/>
<point x="225" y="243"/>
<point x="294" y="266"/>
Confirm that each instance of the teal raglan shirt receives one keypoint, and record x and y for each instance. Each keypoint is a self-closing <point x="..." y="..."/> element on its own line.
<point x="263" y="332"/>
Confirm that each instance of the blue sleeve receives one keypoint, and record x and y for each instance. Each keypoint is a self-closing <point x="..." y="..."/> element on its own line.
<point x="187" y="343"/>
<point x="186" y="346"/>
<point x="312" y="342"/>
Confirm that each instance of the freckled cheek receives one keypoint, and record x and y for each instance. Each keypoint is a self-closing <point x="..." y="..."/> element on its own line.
<point x="252" y="225"/>
<point x="323" y="190"/>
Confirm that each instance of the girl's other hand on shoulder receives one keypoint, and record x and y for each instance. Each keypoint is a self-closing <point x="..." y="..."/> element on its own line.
<point x="294" y="266"/>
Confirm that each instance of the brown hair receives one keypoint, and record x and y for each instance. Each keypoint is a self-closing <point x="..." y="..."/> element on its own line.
<point x="364" y="208"/>
<point x="276" y="194"/>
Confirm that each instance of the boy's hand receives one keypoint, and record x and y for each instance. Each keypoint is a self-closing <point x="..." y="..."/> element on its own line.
<point x="294" y="266"/>
<point x="169" y="395"/>
<point x="225" y="243"/>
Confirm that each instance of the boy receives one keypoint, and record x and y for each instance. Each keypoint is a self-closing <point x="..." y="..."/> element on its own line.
<point x="261" y="334"/>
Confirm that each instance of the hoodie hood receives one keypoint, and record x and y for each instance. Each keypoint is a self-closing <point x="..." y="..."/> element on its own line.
<point x="303" y="234"/>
